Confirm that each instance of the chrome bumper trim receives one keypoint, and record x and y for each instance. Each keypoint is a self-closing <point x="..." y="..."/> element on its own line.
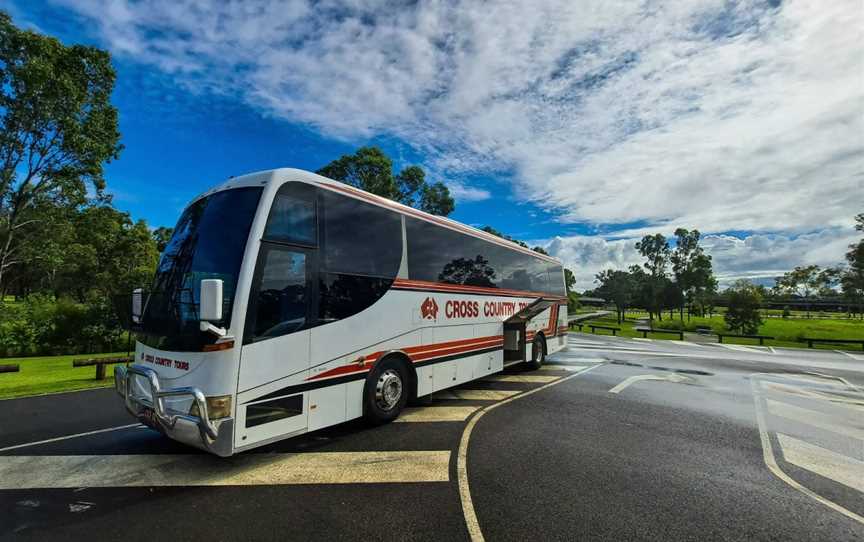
<point x="198" y="431"/>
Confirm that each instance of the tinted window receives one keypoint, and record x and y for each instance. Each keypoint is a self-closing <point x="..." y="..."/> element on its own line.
<point x="271" y="411"/>
<point x="292" y="216"/>
<point x="208" y="243"/>
<point x="438" y="254"/>
<point x="359" y="238"/>
<point x="279" y="302"/>
<point x="342" y="296"/>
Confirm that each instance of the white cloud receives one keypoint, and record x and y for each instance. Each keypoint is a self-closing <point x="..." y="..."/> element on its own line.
<point x="722" y="116"/>
<point x="757" y="256"/>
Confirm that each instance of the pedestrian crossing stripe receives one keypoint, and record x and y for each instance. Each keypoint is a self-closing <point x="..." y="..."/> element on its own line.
<point x="822" y="461"/>
<point x="49" y="472"/>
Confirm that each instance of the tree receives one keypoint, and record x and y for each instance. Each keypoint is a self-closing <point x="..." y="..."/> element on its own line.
<point x="852" y="277"/>
<point x="493" y="231"/>
<point x="655" y="249"/>
<point x="569" y="279"/>
<point x="803" y="281"/>
<point x="742" y="314"/>
<point x="162" y="235"/>
<point x="692" y="268"/>
<point x="371" y="170"/>
<point x="617" y="286"/>
<point x="476" y="272"/>
<point x="58" y="128"/>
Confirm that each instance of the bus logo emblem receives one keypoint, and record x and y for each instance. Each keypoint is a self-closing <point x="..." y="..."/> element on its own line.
<point x="429" y="309"/>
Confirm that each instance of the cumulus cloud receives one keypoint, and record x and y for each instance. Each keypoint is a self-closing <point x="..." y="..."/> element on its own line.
<point x="758" y="257"/>
<point x="712" y="114"/>
<point x="715" y="114"/>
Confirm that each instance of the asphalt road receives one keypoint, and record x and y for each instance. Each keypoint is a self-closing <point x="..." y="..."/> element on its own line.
<point x="615" y="439"/>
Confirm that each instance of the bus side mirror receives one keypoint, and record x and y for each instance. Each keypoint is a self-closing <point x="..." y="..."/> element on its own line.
<point x="210" y="307"/>
<point x="137" y="305"/>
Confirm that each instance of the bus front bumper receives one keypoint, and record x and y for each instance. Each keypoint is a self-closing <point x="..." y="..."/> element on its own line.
<point x="144" y="398"/>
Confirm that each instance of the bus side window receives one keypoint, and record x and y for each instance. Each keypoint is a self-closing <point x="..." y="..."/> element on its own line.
<point x="280" y="296"/>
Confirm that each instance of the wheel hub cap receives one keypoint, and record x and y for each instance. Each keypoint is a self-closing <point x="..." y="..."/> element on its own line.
<point x="388" y="390"/>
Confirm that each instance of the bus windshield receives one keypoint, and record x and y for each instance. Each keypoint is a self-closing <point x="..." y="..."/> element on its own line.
<point x="207" y="243"/>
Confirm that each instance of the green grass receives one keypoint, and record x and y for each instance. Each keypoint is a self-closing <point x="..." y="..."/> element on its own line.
<point x="51" y="374"/>
<point x="787" y="333"/>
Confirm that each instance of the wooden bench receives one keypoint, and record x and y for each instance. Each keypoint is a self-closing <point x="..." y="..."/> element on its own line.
<point x="760" y="337"/>
<point x="834" y="341"/>
<point x="614" y="330"/>
<point x="646" y="330"/>
<point x="100" y="364"/>
<point x="9" y="368"/>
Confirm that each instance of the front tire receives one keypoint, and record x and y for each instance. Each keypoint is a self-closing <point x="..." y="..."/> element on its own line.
<point x="386" y="392"/>
<point x="538" y="354"/>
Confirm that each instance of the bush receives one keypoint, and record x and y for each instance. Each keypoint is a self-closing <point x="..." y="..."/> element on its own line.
<point x="42" y="325"/>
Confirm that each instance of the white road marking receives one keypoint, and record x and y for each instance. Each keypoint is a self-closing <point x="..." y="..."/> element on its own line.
<point x="29" y="472"/>
<point x="771" y="463"/>
<point x="740" y="348"/>
<point x="812" y="417"/>
<point x="771" y="348"/>
<point x="468" y="512"/>
<point x="436" y="414"/>
<point x="838" y="467"/>
<point x="851" y="355"/>
<point x="672" y="377"/>
<point x="814" y="394"/>
<point x="523" y="379"/>
<point x="643" y="340"/>
<point x="76" y="435"/>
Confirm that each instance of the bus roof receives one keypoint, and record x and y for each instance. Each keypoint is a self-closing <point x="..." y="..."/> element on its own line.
<point x="281" y="175"/>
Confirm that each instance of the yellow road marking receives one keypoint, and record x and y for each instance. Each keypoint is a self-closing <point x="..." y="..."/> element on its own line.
<point x="436" y="414"/>
<point x="484" y="395"/>
<point x="812" y="417"/>
<point x="524" y="379"/>
<point x="26" y="472"/>
<point x="471" y="522"/>
<point x="824" y="462"/>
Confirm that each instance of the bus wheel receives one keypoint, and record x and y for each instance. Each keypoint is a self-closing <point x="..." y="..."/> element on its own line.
<point x="386" y="391"/>
<point x="538" y="353"/>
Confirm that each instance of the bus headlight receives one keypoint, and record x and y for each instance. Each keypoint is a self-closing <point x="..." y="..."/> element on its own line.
<point x="217" y="407"/>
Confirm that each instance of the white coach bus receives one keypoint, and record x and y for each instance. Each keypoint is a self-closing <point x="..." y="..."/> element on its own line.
<point x="286" y="302"/>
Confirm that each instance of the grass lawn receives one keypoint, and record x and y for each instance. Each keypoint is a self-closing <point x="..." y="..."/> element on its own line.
<point x="50" y="374"/>
<point x="787" y="333"/>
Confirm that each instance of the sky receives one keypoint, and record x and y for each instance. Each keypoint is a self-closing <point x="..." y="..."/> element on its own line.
<point x="579" y="125"/>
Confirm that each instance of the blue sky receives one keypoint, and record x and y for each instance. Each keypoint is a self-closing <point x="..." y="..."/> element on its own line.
<point x="579" y="125"/>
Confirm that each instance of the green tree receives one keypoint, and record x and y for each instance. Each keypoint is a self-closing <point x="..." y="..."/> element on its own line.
<point x="804" y="281"/>
<point x="655" y="249"/>
<point x="58" y="128"/>
<point x="692" y="268"/>
<point x="371" y="170"/>
<point x="493" y="231"/>
<point x="162" y="235"/>
<point x="569" y="279"/>
<point x="617" y="286"/>
<point x="742" y="314"/>
<point x="852" y="277"/>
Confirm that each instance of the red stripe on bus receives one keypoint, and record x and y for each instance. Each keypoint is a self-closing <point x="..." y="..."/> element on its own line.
<point x="417" y="353"/>
<point x="459" y="288"/>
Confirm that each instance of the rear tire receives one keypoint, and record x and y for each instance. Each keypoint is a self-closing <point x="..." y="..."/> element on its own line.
<point x="386" y="391"/>
<point x="538" y="354"/>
